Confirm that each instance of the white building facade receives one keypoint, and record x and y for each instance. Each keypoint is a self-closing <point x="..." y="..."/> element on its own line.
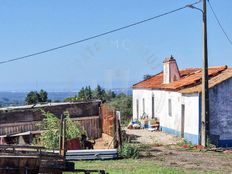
<point x="174" y="97"/>
<point x="172" y="109"/>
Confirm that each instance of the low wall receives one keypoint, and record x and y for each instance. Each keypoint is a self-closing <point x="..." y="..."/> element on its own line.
<point x="14" y="128"/>
<point x="22" y="119"/>
<point x="91" y="125"/>
<point x="33" y="113"/>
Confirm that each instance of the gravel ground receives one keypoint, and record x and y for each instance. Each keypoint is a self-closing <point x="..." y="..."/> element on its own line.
<point x="145" y="136"/>
<point x="166" y="152"/>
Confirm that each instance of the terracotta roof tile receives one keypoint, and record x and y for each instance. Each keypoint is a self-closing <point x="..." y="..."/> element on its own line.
<point x="189" y="82"/>
<point x="223" y="76"/>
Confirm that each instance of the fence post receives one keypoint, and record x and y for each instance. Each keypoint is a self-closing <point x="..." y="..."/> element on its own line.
<point x="62" y="141"/>
<point x="100" y="121"/>
<point x="61" y="132"/>
<point x="118" y="131"/>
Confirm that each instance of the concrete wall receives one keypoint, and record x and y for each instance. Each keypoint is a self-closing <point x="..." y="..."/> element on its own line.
<point x="221" y="114"/>
<point x="170" y="123"/>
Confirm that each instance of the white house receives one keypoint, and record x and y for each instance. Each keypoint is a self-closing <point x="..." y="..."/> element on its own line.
<point x="174" y="97"/>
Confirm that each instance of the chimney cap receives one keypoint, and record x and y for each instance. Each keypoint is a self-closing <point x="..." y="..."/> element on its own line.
<point x="169" y="59"/>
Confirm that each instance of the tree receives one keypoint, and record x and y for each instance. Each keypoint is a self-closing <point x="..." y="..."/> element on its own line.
<point x="81" y="94"/>
<point x="123" y="103"/>
<point x="51" y="130"/>
<point x="109" y="96"/>
<point x="99" y="93"/>
<point x="86" y="93"/>
<point x="43" y="96"/>
<point x="147" y="76"/>
<point x="34" y="97"/>
<point x="71" y="99"/>
<point x="89" y="93"/>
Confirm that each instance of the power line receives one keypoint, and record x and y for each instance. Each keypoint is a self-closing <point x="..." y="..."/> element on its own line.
<point x="219" y="23"/>
<point x="96" y="36"/>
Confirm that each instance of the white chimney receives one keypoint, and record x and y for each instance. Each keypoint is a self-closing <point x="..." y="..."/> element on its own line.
<point x="171" y="71"/>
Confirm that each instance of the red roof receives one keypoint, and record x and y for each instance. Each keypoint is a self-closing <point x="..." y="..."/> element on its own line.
<point x="189" y="78"/>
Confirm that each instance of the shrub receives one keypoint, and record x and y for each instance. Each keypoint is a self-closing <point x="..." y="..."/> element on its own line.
<point x="51" y="130"/>
<point x="123" y="103"/>
<point x="129" y="151"/>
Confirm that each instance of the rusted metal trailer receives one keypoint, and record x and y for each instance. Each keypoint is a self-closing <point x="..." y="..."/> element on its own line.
<point x="35" y="160"/>
<point x="31" y="160"/>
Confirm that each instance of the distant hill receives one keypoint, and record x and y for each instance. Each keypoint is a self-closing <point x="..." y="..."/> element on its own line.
<point x="126" y="91"/>
<point x="17" y="98"/>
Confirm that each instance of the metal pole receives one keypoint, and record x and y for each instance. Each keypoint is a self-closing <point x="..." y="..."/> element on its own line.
<point x="205" y="86"/>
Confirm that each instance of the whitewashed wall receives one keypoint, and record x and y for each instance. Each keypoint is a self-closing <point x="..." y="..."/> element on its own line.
<point x="170" y="124"/>
<point x="192" y="115"/>
<point x="140" y="94"/>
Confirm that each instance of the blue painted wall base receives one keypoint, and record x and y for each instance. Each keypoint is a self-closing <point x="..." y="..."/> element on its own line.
<point x="194" y="139"/>
<point x="225" y="143"/>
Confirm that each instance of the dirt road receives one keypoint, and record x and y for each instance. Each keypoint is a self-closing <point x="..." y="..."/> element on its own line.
<point x="145" y="136"/>
<point x="169" y="153"/>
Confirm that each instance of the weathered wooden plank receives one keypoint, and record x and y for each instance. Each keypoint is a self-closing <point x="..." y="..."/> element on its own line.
<point x="90" y="124"/>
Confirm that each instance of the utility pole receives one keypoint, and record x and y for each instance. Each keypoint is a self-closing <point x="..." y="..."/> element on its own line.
<point x="205" y="85"/>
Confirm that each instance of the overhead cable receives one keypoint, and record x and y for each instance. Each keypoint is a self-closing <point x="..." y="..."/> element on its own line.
<point x="96" y="36"/>
<point x="219" y="23"/>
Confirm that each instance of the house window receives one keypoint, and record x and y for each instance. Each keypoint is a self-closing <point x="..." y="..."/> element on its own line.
<point x="170" y="107"/>
<point x="153" y="107"/>
<point x="137" y="108"/>
<point x="143" y="105"/>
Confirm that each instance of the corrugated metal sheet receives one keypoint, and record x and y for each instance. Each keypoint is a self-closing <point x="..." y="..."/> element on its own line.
<point x="99" y="154"/>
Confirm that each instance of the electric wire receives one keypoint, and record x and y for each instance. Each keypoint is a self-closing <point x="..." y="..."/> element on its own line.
<point x="98" y="35"/>
<point x="219" y="23"/>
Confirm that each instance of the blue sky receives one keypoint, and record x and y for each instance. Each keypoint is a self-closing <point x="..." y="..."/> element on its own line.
<point x="114" y="61"/>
